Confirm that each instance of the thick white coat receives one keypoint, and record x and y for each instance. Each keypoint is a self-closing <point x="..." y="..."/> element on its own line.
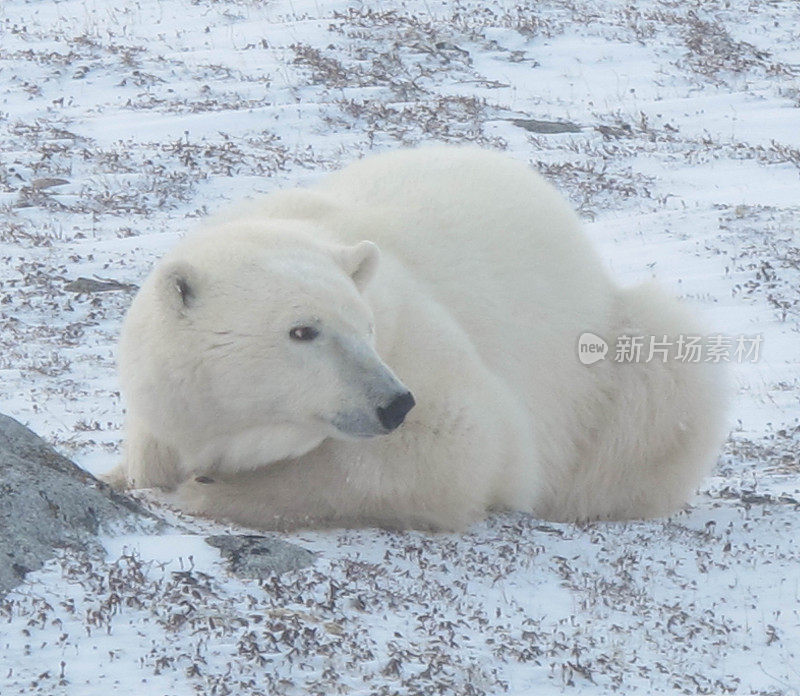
<point x="484" y="284"/>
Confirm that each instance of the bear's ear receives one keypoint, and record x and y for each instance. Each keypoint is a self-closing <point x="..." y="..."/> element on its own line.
<point x="178" y="286"/>
<point x="360" y="262"/>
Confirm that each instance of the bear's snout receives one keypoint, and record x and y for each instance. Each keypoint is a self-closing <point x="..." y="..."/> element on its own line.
<point x="395" y="413"/>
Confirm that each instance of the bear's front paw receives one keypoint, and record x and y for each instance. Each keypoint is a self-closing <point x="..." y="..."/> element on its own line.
<point x="194" y="495"/>
<point x="116" y="478"/>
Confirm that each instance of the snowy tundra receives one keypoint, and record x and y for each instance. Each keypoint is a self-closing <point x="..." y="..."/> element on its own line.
<point x="397" y="346"/>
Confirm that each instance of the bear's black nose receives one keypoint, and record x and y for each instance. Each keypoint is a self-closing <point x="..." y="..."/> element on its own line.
<point x="392" y="415"/>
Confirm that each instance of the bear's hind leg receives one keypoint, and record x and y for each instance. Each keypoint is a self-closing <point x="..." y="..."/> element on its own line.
<point x="662" y="420"/>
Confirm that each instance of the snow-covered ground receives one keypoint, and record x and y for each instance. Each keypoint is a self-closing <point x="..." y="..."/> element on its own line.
<point x="121" y="123"/>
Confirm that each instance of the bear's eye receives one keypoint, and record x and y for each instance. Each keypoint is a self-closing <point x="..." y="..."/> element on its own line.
<point x="303" y="333"/>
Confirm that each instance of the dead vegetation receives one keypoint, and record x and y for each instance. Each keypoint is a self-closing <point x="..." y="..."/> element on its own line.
<point x="443" y="119"/>
<point x="609" y="608"/>
<point x="777" y="453"/>
<point x="764" y="256"/>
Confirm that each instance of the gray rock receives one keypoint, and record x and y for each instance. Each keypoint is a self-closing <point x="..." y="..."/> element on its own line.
<point x="89" y="285"/>
<point x="46" y="502"/>
<point x="254" y="556"/>
<point x="546" y="127"/>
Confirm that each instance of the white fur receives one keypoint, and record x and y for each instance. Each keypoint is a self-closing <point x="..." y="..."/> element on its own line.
<point x="484" y="283"/>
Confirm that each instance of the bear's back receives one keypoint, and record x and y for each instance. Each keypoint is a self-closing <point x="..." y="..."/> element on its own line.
<point x="494" y="243"/>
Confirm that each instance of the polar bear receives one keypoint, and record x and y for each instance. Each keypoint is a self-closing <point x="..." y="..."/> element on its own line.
<point x="397" y="346"/>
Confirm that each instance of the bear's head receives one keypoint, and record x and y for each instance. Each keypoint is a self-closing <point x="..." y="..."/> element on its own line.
<point x="247" y="348"/>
